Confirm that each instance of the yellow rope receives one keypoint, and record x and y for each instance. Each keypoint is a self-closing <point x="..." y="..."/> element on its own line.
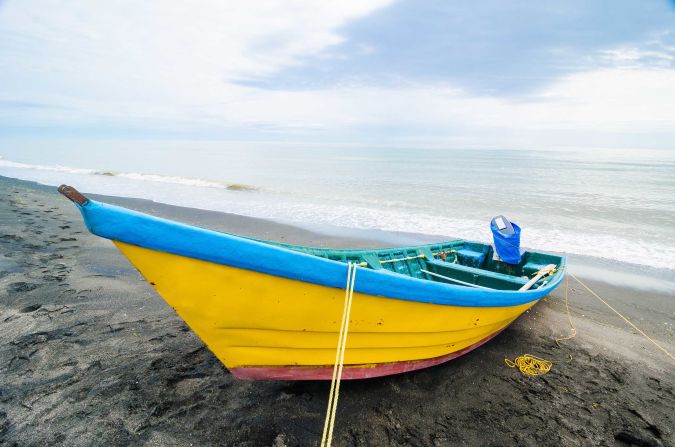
<point x="530" y="365"/>
<point x="545" y="271"/>
<point x="387" y="261"/>
<point x="408" y="258"/>
<point x="569" y="316"/>
<point x="329" y="423"/>
<point x="536" y="366"/>
<point x="625" y="319"/>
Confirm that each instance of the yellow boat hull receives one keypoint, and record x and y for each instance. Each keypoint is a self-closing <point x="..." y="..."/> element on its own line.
<point x="250" y="319"/>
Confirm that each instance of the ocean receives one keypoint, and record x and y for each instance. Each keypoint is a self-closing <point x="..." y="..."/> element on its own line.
<point x="612" y="204"/>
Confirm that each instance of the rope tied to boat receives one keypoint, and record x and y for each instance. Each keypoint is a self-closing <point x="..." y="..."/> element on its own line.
<point x="329" y="423"/>
<point x="546" y="271"/>
<point x="531" y="365"/>
<point x="569" y="315"/>
<point x="410" y="258"/>
<point x="534" y="366"/>
<point x="665" y="351"/>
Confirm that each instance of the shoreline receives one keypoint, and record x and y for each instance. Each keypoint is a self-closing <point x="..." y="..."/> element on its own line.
<point x="91" y="354"/>
<point x="636" y="276"/>
<point x="548" y="230"/>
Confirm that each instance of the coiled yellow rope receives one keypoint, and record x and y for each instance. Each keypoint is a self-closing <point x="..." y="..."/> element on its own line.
<point x="329" y="423"/>
<point x="530" y="365"/>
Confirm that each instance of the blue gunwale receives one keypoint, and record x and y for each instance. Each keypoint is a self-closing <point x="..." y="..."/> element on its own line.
<point x="135" y="228"/>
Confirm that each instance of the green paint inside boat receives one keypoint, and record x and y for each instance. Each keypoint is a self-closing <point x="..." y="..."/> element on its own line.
<point x="458" y="262"/>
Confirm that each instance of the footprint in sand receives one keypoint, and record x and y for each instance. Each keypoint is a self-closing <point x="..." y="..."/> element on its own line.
<point x="31" y="308"/>
<point x="54" y="278"/>
<point x="22" y="286"/>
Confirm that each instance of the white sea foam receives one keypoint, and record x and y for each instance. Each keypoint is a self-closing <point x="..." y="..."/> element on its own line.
<point x="591" y="233"/>
<point x="177" y="180"/>
<point x="171" y="179"/>
<point x="54" y="168"/>
<point x="632" y="251"/>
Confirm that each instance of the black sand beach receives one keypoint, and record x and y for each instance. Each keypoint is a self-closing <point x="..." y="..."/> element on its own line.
<point x="90" y="355"/>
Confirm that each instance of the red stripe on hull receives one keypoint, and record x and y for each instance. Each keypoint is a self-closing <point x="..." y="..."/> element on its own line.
<point x="350" y="372"/>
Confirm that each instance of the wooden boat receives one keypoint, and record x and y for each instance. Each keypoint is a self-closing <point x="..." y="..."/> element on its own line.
<point x="272" y="311"/>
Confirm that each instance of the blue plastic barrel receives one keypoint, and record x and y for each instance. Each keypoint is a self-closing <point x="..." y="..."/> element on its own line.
<point x="506" y="236"/>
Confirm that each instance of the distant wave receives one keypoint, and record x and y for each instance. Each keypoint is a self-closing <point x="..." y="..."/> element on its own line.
<point x="355" y="212"/>
<point x="241" y="187"/>
<point x="604" y="246"/>
<point x="55" y="168"/>
<point x="177" y="180"/>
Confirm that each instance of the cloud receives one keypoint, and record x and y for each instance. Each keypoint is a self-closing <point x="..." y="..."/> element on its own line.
<point x="147" y="58"/>
<point x="490" y="47"/>
<point x="602" y="104"/>
<point x="354" y="72"/>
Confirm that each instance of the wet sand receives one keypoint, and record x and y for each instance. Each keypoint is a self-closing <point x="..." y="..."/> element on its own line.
<point x="90" y="355"/>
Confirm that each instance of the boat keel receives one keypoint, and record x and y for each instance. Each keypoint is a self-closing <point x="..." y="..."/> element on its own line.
<point x="350" y="372"/>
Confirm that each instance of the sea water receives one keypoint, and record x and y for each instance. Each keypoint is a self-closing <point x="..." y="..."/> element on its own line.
<point x="613" y="204"/>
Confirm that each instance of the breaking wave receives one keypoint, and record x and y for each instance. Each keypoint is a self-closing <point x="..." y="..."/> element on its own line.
<point x="176" y="180"/>
<point x="594" y="236"/>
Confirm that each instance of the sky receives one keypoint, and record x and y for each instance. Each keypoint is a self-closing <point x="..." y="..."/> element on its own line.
<point x="456" y="74"/>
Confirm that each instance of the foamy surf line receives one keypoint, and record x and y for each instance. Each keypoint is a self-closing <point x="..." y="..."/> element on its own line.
<point x="186" y="181"/>
<point x="216" y="196"/>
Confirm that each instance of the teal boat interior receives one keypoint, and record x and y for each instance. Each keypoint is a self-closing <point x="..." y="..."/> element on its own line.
<point x="458" y="262"/>
<point x="455" y="272"/>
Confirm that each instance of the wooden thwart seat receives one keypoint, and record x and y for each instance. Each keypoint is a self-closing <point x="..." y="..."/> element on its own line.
<point x="484" y="278"/>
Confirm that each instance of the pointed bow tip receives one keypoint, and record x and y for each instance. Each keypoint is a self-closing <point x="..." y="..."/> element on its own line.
<point x="73" y="195"/>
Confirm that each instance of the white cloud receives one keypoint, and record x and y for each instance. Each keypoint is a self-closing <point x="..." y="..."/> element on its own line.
<point x="632" y="57"/>
<point x="603" y="101"/>
<point x="175" y="65"/>
<point x="116" y="55"/>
